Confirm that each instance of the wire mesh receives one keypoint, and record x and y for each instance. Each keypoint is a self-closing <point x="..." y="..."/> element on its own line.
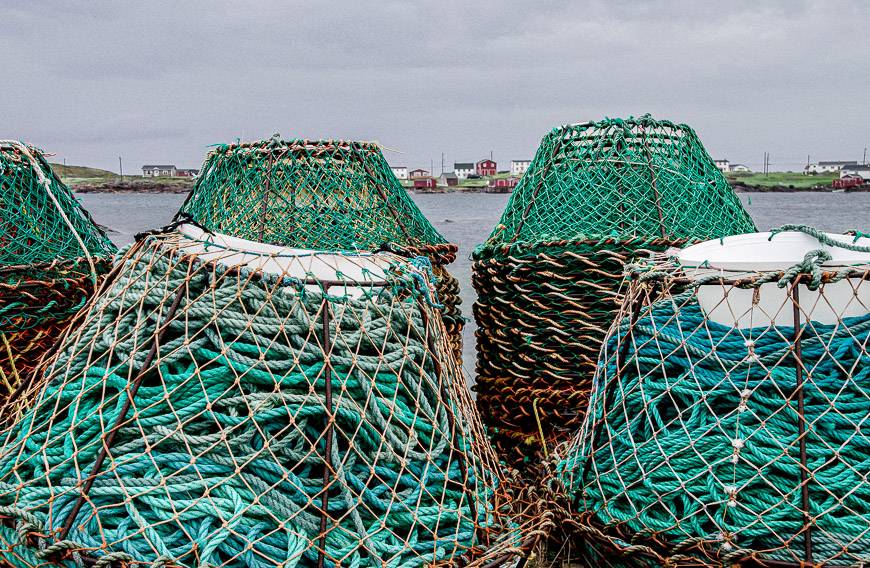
<point x="596" y="195"/>
<point x="322" y="195"/>
<point x="229" y="403"/>
<point x="51" y="252"/>
<point x="709" y="442"/>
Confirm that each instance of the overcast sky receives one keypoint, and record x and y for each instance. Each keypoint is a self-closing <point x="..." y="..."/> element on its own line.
<point x="158" y="82"/>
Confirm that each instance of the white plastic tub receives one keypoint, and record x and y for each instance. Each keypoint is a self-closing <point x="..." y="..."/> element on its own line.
<point x="346" y="270"/>
<point x="735" y="256"/>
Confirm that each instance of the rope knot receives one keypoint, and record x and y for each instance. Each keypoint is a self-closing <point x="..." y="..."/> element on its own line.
<point x="811" y="264"/>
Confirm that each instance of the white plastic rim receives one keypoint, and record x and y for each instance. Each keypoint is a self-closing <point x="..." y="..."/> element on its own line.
<point x="349" y="268"/>
<point x="753" y="252"/>
<point x="737" y="255"/>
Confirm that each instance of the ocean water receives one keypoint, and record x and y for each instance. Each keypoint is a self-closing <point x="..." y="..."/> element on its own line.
<point x="467" y="219"/>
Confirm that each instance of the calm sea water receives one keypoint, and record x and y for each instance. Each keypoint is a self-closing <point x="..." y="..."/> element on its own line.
<point x="466" y="219"/>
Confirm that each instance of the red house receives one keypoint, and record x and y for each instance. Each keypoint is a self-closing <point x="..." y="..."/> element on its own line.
<point x="425" y="183"/>
<point x="485" y="168"/>
<point x="504" y="185"/>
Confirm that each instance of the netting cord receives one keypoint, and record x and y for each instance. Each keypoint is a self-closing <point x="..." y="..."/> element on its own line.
<point x="540" y="428"/>
<point x="11" y="357"/>
<point x="822" y="237"/>
<point x="46" y="184"/>
<point x="547" y="166"/>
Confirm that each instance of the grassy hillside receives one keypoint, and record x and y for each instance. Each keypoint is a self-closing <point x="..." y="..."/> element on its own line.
<point x="88" y="180"/>
<point x="66" y="172"/>
<point x="792" y="180"/>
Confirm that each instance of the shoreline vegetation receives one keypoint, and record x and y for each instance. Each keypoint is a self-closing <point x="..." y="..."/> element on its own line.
<point x="92" y="180"/>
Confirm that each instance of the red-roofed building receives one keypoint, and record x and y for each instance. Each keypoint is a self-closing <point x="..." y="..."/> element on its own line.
<point x="485" y="168"/>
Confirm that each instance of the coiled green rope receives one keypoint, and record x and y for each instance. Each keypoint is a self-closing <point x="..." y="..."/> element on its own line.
<point x="221" y="459"/>
<point x="696" y="436"/>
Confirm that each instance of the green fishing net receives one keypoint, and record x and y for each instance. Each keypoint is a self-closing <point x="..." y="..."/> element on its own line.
<point x="327" y="194"/>
<point x="40" y="220"/>
<point x="621" y="178"/>
<point x="596" y="195"/>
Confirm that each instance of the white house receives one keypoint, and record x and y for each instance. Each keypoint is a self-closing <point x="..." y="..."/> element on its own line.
<point x="740" y="168"/>
<point x="723" y="165"/>
<point x="418" y="173"/>
<point x="159" y="170"/>
<point x="519" y="167"/>
<point x="828" y="167"/>
<point x="858" y="170"/>
<point x="400" y="172"/>
<point x="463" y="169"/>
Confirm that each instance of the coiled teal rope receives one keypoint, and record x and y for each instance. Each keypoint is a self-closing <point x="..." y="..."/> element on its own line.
<point x="696" y="437"/>
<point x="221" y="459"/>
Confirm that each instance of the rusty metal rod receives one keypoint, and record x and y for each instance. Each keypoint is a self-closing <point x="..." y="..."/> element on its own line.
<point x="109" y="438"/>
<point x="265" y="206"/>
<point x="799" y="386"/>
<point x="327" y="466"/>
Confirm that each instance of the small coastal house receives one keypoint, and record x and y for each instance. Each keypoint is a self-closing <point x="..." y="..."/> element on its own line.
<point x="856" y="171"/>
<point x="448" y="179"/>
<point x="519" y="167"/>
<point x="418" y="173"/>
<point x="740" y="168"/>
<point x="425" y="183"/>
<point x="187" y="172"/>
<point x="722" y="165"/>
<point x="463" y="169"/>
<point x="485" y="168"/>
<point x="829" y="167"/>
<point x="401" y="172"/>
<point x="159" y="170"/>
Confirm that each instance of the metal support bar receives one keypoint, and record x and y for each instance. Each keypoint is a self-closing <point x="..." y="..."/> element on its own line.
<point x="655" y="187"/>
<point x="327" y="466"/>
<point x="109" y="438"/>
<point x="799" y="387"/>
<point x="265" y="206"/>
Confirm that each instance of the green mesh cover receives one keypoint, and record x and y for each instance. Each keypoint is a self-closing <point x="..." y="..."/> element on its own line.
<point x="32" y="227"/>
<point x="621" y="178"/>
<point x="326" y="194"/>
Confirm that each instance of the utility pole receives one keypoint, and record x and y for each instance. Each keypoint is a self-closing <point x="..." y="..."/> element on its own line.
<point x="490" y="156"/>
<point x="442" y="163"/>
<point x="865" y="155"/>
<point x="431" y="167"/>
<point x="808" y="161"/>
<point x="121" y="168"/>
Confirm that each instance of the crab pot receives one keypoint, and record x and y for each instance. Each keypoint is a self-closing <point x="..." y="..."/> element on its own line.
<point x="322" y="195"/>
<point x="226" y="402"/>
<point x="52" y="257"/>
<point x="596" y="196"/>
<point x="722" y="430"/>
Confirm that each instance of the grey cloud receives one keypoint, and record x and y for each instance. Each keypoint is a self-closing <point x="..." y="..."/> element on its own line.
<point x="151" y="80"/>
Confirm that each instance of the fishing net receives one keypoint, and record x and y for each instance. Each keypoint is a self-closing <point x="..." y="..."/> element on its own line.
<point x="323" y="195"/>
<point x="229" y="403"/>
<point x="595" y="196"/>
<point x="51" y="253"/>
<point x="728" y="421"/>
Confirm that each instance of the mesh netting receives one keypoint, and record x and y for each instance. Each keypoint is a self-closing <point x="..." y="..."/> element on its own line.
<point x="228" y="403"/>
<point x="323" y="195"/>
<point x="50" y="254"/>
<point x="717" y="433"/>
<point x="595" y="196"/>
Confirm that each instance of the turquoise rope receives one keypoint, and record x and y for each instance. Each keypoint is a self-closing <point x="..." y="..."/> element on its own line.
<point x="699" y="440"/>
<point x="190" y="479"/>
